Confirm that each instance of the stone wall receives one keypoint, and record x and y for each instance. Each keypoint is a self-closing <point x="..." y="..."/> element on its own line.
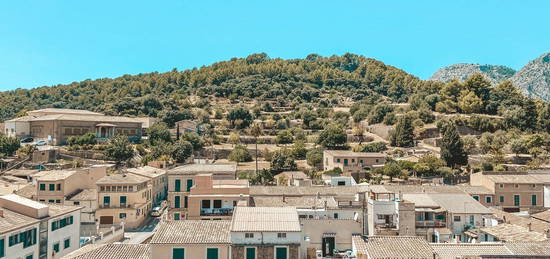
<point x="264" y="251"/>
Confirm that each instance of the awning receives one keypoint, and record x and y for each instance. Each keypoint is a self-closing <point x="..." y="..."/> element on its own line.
<point x="105" y="125"/>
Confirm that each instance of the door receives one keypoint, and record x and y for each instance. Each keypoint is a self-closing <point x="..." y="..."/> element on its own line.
<point x="281" y="253"/>
<point x="328" y="246"/>
<point x="516" y="200"/>
<point x="178" y="253"/>
<point x="177" y="202"/>
<point x="106" y="220"/>
<point x="211" y="253"/>
<point x="250" y="253"/>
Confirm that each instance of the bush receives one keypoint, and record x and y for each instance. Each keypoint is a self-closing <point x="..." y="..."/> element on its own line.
<point x="240" y="154"/>
<point x="284" y="137"/>
<point x="86" y="139"/>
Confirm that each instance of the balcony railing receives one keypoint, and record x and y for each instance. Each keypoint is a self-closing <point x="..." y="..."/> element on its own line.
<point x="350" y="204"/>
<point x="385" y="225"/>
<point x="115" y="206"/>
<point x="217" y="212"/>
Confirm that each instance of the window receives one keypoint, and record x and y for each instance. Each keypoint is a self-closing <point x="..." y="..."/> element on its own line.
<point x="249" y="235"/>
<point x="516" y="199"/>
<point x="177" y="200"/>
<point x="122" y="215"/>
<point x="361" y="161"/>
<point x="28" y="238"/>
<point x="178" y="253"/>
<point x="534" y="200"/>
<point x="281" y="235"/>
<point x="338" y="160"/>
<point x="341" y="183"/>
<point x="345" y="161"/>
<point x="189" y="184"/>
<point x="211" y="253"/>
<point x="353" y="160"/>
<point x="456" y="218"/>
<point x="2" y="248"/>
<point x="42" y="187"/>
<point x="122" y="201"/>
<point x="534" y="186"/>
<point x="516" y="185"/>
<point x="56" y="247"/>
<point x="76" y="203"/>
<point x="501" y="199"/>
<point x="51" y="201"/>
<point x="377" y="160"/>
<point x="205" y="204"/>
<point x="52" y="187"/>
<point x="28" y="256"/>
<point x="488" y="199"/>
<point x="176" y="216"/>
<point x="185" y="201"/>
<point x="501" y="185"/>
<point x="281" y="252"/>
<point x="106" y="200"/>
<point x="57" y="201"/>
<point x="335" y="215"/>
<point x="61" y="223"/>
<point x="217" y="204"/>
<point x="59" y="187"/>
<point x="66" y="243"/>
<point x="472" y="220"/>
<point x="476" y="197"/>
<point x="177" y="185"/>
<point x="250" y="253"/>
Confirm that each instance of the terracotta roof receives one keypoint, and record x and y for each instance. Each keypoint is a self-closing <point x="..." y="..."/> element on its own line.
<point x="544" y="216"/>
<point x="55" y="175"/>
<point x="118" y="251"/>
<point x="84" y="117"/>
<point x="453" y="251"/>
<point x="354" y="154"/>
<point x="12" y="220"/>
<point x="513" y="178"/>
<point x="536" y="224"/>
<point x="204" y="168"/>
<point x="529" y="248"/>
<point x="122" y="178"/>
<point x="85" y="195"/>
<point x="513" y="233"/>
<point x="308" y="190"/>
<point x="56" y="210"/>
<point x="387" y="247"/>
<point x="422" y="188"/>
<point x="475" y="189"/>
<point x="459" y="203"/>
<point x="147" y="171"/>
<point x="359" y="244"/>
<point x="28" y="191"/>
<point x="293" y="175"/>
<point x="266" y="219"/>
<point x="298" y="202"/>
<point x="193" y="232"/>
<point x="64" y="111"/>
<point x="421" y="200"/>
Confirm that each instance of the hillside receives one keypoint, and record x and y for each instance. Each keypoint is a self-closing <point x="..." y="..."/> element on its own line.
<point x="462" y="71"/>
<point x="258" y="77"/>
<point x="534" y="78"/>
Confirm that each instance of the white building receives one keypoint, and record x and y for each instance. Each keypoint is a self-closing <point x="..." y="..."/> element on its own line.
<point x="31" y="229"/>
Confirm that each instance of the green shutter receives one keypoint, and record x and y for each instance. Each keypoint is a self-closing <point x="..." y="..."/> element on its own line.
<point x="178" y="253"/>
<point x="2" y="245"/>
<point x="56" y="247"/>
<point x="177" y="202"/>
<point x="250" y="253"/>
<point x="67" y="243"/>
<point x="106" y="199"/>
<point x="516" y="200"/>
<point x="281" y="253"/>
<point x="42" y="187"/>
<point x="534" y="200"/>
<point x="177" y="186"/>
<point x="52" y="187"/>
<point x="211" y="253"/>
<point x="123" y="199"/>
<point x="189" y="184"/>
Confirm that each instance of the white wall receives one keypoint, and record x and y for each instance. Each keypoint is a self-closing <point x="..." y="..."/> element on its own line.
<point x="266" y="238"/>
<point x="17" y="251"/>
<point x="17" y="128"/>
<point x="71" y="231"/>
<point x="546" y="197"/>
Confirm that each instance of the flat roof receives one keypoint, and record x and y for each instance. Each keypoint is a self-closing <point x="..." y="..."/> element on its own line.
<point x="12" y="220"/>
<point x="147" y="171"/>
<point x="55" y="175"/>
<point x="204" y="168"/>
<point x="354" y="154"/>
<point x="298" y="202"/>
<point x="122" y="178"/>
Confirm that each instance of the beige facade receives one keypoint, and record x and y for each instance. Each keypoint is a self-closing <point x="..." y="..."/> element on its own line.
<point x="56" y="125"/>
<point x="123" y="198"/>
<point x="215" y="199"/>
<point x="513" y="191"/>
<point x="351" y="162"/>
<point x="328" y="234"/>
<point x="59" y="185"/>
<point x="158" y="179"/>
<point x="181" y="179"/>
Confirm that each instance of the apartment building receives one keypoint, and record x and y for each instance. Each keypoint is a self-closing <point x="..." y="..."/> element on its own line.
<point x="123" y="198"/>
<point x="182" y="178"/>
<point x="57" y="186"/>
<point x="215" y="199"/>
<point x="57" y="125"/>
<point x="352" y="163"/>
<point x="388" y="214"/>
<point x="263" y="232"/>
<point x="480" y="193"/>
<point x="158" y="179"/>
<point x="192" y="239"/>
<point x="31" y="229"/>
<point x="513" y="191"/>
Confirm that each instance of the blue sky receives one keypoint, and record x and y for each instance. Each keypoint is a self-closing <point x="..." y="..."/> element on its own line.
<point x="52" y="42"/>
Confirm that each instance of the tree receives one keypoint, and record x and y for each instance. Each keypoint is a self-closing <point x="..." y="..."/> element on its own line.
<point x="282" y="160"/>
<point x="159" y="132"/>
<point x="172" y="116"/>
<point x="256" y="131"/>
<point x="194" y="139"/>
<point x="518" y="146"/>
<point x="371" y="147"/>
<point x="392" y="169"/>
<point x="299" y="150"/>
<point x="359" y="133"/>
<point x="470" y="103"/>
<point x="284" y="137"/>
<point x="8" y="145"/>
<point x="452" y="148"/>
<point x="182" y="150"/>
<point x="379" y="112"/>
<point x="333" y="137"/>
<point x="119" y="149"/>
<point x="234" y="138"/>
<point x="403" y="134"/>
<point x="543" y="120"/>
<point x="239" y="118"/>
<point x="428" y="164"/>
<point x="470" y="144"/>
<point x="240" y="154"/>
<point x="314" y="158"/>
<point x="478" y="84"/>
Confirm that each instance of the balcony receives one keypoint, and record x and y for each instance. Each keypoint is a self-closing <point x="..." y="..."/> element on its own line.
<point x="217" y="212"/>
<point x="430" y="224"/>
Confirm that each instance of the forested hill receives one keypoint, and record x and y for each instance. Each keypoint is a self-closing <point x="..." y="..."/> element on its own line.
<point x="257" y="76"/>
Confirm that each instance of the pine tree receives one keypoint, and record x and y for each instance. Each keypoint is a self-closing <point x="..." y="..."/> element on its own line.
<point x="452" y="148"/>
<point x="403" y="134"/>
